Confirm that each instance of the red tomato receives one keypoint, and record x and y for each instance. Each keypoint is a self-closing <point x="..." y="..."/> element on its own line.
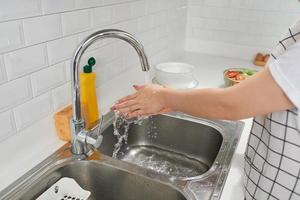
<point x="232" y="74"/>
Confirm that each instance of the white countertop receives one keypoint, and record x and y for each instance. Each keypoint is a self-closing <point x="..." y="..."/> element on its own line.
<point x="23" y="151"/>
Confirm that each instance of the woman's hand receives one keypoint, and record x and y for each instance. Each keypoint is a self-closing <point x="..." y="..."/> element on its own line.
<point x="148" y="100"/>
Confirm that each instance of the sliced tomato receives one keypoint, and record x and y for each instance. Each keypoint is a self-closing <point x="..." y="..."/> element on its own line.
<point x="232" y="74"/>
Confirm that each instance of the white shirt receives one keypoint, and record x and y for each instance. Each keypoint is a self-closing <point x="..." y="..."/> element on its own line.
<point x="272" y="158"/>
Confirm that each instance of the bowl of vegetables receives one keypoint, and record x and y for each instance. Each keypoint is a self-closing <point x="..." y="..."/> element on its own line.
<point x="234" y="76"/>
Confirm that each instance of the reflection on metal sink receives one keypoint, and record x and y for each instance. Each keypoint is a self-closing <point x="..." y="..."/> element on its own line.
<point x="102" y="180"/>
<point x="169" y="145"/>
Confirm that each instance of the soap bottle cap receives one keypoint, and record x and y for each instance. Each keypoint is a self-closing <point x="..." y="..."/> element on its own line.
<point x="88" y="68"/>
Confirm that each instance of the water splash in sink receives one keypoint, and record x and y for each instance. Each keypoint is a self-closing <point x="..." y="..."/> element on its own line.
<point x="121" y="126"/>
<point x="164" y="161"/>
<point x="154" y="158"/>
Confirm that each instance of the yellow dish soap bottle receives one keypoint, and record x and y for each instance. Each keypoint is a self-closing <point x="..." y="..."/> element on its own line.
<point x="88" y="96"/>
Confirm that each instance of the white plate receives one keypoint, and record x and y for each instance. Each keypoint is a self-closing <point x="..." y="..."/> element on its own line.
<point x="176" y="75"/>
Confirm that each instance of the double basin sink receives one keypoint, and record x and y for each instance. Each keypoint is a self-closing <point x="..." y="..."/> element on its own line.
<point x="167" y="157"/>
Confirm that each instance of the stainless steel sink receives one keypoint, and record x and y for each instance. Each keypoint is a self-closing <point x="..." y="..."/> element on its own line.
<point x="170" y="145"/>
<point x="191" y="159"/>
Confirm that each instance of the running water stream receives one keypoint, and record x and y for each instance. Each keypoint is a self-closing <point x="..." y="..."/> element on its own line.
<point x="121" y="124"/>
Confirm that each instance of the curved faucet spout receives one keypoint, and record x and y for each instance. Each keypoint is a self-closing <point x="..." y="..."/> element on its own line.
<point x="78" y="122"/>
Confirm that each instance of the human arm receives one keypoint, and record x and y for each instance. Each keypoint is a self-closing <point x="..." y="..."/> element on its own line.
<point x="255" y="96"/>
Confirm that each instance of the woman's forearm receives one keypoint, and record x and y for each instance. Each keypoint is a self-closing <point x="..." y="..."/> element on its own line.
<point x="255" y="96"/>
<point x="206" y="103"/>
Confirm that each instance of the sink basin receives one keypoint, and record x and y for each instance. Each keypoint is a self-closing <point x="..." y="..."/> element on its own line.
<point x="168" y="145"/>
<point x="105" y="182"/>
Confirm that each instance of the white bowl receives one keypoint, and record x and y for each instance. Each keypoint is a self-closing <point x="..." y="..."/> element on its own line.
<point x="177" y="75"/>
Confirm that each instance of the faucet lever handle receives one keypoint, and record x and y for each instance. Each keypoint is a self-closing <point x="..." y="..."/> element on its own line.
<point x="95" y="142"/>
<point x="86" y="137"/>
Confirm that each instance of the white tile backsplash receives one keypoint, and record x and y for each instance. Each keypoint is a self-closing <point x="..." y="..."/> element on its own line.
<point x="41" y="29"/>
<point x="101" y="16"/>
<point x="61" y="96"/>
<point x="7" y="124"/>
<point x="153" y="6"/>
<point x="25" y="61"/>
<point x="68" y="70"/>
<point x="48" y="78"/>
<point x="138" y="9"/>
<point x="32" y="111"/>
<point x="251" y="23"/>
<point x="38" y="38"/>
<point x="14" y="93"/>
<point x="61" y="49"/>
<point x="87" y="3"/>
<point x="11" y="36"/>
<point x="121" y="12"/>
<point x="221" y="3"/>
<point x="251" y="15"/>
<point x="77" y="21"/>
<point x="57" y="6"/>
<point x="14" y="9"/>
<point x="3" y="77"/>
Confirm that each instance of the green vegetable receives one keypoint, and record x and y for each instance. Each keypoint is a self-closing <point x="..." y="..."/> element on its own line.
<point x="248" y="72"/>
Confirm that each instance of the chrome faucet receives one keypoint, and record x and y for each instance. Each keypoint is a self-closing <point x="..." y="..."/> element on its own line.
<point x="80" y="137"/>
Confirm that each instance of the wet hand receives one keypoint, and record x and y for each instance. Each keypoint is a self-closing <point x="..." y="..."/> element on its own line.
<point x="148" y="100"/>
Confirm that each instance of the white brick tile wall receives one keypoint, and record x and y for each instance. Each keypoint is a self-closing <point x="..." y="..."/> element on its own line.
<point x="153" y="6"/>
<point x="48" y="78"/>
<point x="121" y="12"/>
<point x="250" y="23"/>
<point x="138" y="9"/>
<point x="251" y="15"/>
<point x="56" y="6"/>
<point x="101" y="16"/>
<point x="41" y="29"/>
<point x="87" y="3"/>
<point x="38" y="38"/>
<point x="77" y="21"/>
<point x="292" y="6"/>
<point x="68" y="70"/>
<point x="61" y="49"/>
<point x="14" y="93"/>
<point x="7" y="124"/>
<point x="61" y="96"/>
<point x="274" y="5"/>
<point x="217" y="2"/>
<point x="32" y="111"/>
<point x="241" y="4"/>
<point x="13" y="9"/>
<point x="11" y="36"/>
<point x="129" y="26"/>
<point x="144" y="23"/>
<point x="25" y="61"/>
<point x="3" y="77"/>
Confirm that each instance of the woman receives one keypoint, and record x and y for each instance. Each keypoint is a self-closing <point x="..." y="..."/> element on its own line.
<point x="272" y="96"/>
